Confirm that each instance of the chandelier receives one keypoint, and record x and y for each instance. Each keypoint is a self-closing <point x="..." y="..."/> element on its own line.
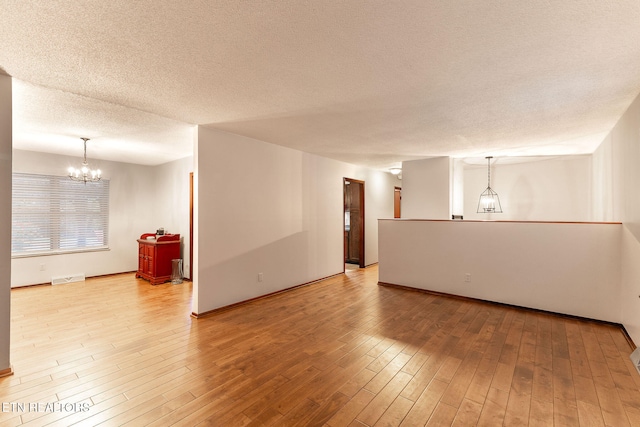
<point x="489" y="201"/>
<point x="85" y="174"/>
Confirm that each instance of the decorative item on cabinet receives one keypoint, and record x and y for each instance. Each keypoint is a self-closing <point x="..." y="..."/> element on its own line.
<point x="154" y="256"/>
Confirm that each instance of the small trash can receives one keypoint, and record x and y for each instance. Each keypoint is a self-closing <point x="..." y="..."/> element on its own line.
<point x="176" y="271"/>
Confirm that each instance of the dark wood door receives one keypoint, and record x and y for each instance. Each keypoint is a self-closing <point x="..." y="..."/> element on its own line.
<point x="354" y="221"/>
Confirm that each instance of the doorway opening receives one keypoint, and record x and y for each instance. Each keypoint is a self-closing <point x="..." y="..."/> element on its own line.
<point x="353" y="222"/>
<point x="191" y="225"/>
<point x="397" y="201"/>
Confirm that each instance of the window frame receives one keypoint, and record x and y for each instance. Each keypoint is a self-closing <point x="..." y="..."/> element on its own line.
<point x="49" y="203"/>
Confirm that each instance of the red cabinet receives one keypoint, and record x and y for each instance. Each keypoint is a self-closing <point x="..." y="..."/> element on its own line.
<point x="155" y="255"/>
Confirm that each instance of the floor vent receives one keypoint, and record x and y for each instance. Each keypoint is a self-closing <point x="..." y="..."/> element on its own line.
<point x="67" y="279"/>
<point x="635" y="358"/>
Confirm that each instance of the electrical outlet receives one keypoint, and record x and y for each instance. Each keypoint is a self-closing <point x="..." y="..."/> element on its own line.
<point x="467" y="277"/>
<point x="260" y="277"/>
<point x="43" y="267"/>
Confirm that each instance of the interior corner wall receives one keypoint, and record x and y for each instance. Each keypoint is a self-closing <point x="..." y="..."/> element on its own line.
<point x="426" y="188"/>
<point x="625" y="158"/>
<point x="264" y="208"/>
<point x="457" y="187"/>
<point x="379" y="191"/>
<point x="602" y="188"/>
<point x="131" y="213"/>
<point x="540" y="189"/>
<point x="195" y="278"/>
<point x="5" y="218"/>
<point x="171" y="209"/>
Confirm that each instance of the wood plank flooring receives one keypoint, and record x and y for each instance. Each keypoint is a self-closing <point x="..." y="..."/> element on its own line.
<point x="341" y="352"/>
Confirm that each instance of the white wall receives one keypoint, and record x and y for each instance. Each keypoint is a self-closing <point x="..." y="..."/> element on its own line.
<point x="457" y="186"/>
<point x="132" y="211"/>
<point x="379" y="188"/>
<point x="532" y="189"/>
<point x="426" y="188"/>
<point x="5" y="218"/>
<point x="263" y="208"/>
<point x="630" y="287"/>
<point x="622" y="147"/>
<point x="602" y="184"/>
<point x="565" y="268"/>
<point x="539" y="189"/>
<point x="172" y="202"/>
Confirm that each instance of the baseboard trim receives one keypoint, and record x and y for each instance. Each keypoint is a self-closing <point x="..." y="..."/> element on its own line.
<point x="111" y="274"/>
<point x="272" y="294"/>
<point x="6" y="372"/>
<point x="569" y="316"/>
<point x="628" y="337"/>
<point x="31" y="286"/>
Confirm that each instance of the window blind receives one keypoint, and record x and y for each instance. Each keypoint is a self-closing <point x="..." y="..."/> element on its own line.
<point x="53" y="214"/>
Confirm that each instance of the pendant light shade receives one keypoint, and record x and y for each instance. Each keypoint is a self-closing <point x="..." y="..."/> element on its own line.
<point x="489" y="201"/>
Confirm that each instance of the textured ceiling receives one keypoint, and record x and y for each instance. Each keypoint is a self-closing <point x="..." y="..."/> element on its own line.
<point x="53" y="121"/>
<point x="368" y="82"/>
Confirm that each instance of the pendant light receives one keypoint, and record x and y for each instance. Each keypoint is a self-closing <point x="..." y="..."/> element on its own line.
<point x="489" y="201"/>
<point x="85" y="174"/>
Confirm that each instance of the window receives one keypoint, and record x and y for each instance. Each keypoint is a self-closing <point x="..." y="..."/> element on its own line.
<point x="53" y="214"/>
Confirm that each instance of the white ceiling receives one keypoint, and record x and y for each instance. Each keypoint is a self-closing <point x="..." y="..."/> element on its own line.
<point x="368" y="82"/>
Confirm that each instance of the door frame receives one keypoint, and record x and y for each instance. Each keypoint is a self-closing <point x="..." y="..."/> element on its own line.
<point x="399" y="190"/>
<point x="362" y="228"/>
<point x="190" y="225"/>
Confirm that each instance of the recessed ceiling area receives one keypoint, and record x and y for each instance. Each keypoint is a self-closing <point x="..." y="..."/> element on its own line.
<point x="370" y="83"/>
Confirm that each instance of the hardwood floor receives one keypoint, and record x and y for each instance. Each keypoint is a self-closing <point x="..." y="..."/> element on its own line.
<point x="342" y="352"/>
